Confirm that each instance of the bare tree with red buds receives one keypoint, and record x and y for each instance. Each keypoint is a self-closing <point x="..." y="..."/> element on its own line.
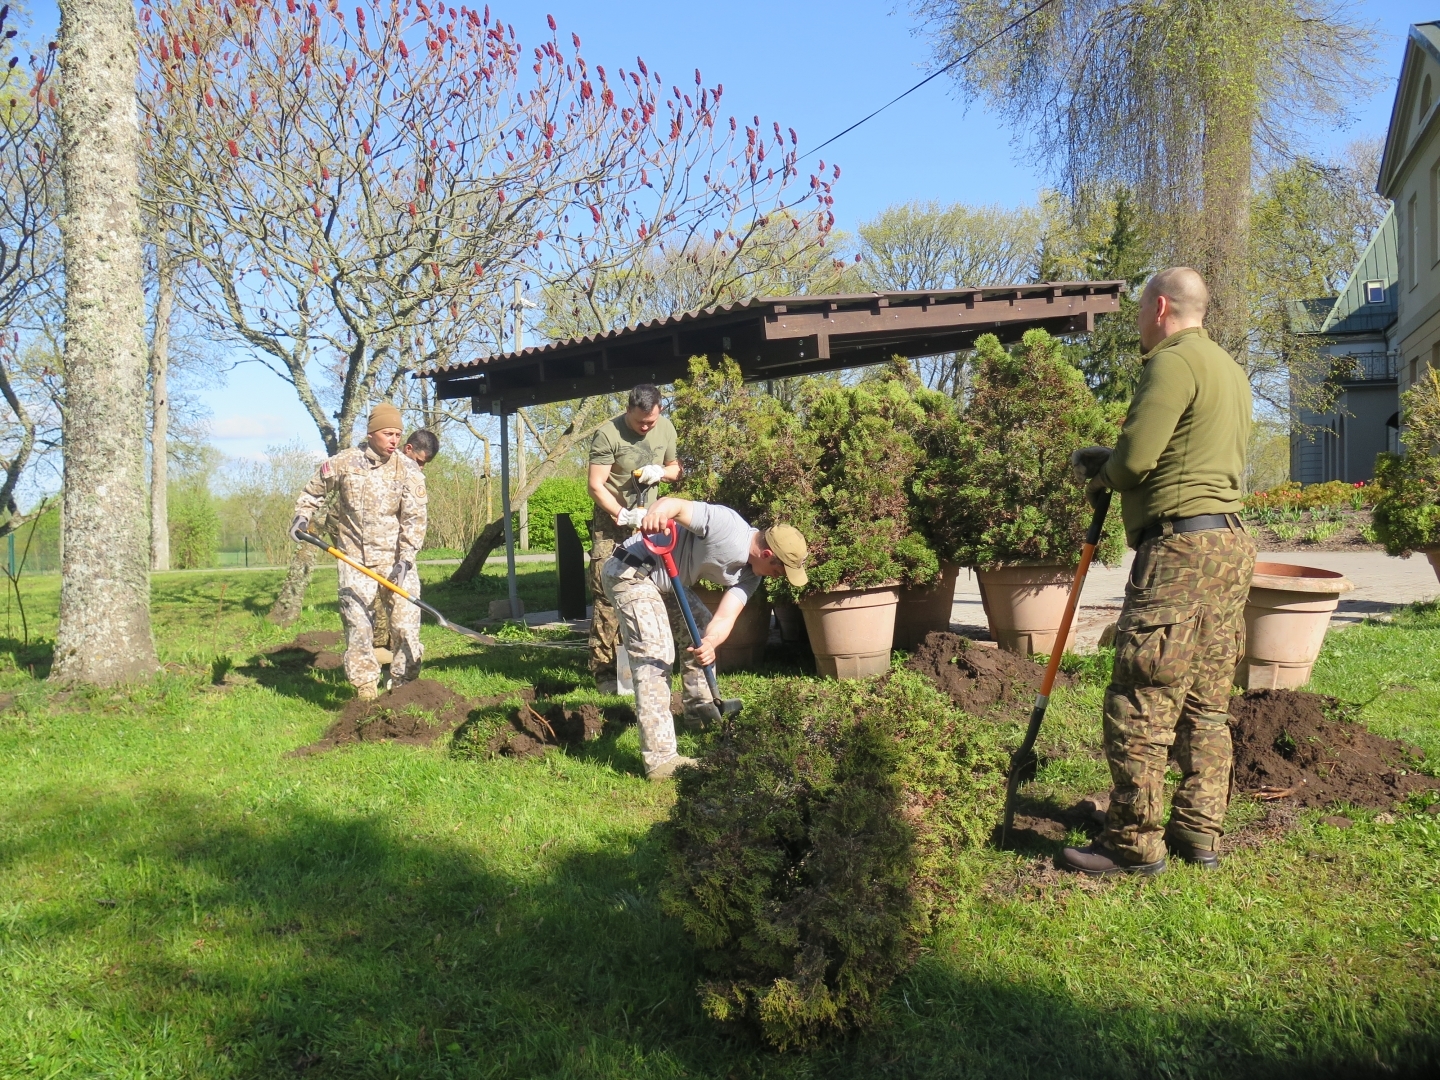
<point x="29" y="250"/>
<point x="358" y="189"/>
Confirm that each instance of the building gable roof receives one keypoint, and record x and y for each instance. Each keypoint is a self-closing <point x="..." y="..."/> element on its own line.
<point x="1407" y="130"/>
<point x="1351" y="313"/>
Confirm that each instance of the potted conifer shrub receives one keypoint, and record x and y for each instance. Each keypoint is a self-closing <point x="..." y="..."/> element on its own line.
<point x="847" y="490"/>
<point x="995" y="491"/>
<point x="1406" y="515"/>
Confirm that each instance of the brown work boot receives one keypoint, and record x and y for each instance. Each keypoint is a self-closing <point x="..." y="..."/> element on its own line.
<point x="1097" y="860"/>
<point x="666" y="769"/>
<point x="368" y="692"/>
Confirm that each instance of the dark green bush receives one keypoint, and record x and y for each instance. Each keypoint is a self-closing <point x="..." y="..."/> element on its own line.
<point x="1406" y="514"/>
<point x="558" y="495"/>
<point x="809" y="852"/>
<point x="994" y="485"/>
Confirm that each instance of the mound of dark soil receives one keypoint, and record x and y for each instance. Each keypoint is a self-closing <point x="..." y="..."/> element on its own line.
<point x="416" y="713"/>
<point x="323" y="650"/>
<point x="532" y="733"/>
<point x="977" y="678"/>
<point x="1298" y="747"/>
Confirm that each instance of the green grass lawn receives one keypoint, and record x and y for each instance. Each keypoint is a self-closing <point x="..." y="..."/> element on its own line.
<point x="178" y="898"/>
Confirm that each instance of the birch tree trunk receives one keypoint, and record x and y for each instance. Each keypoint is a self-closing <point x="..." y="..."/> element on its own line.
<point x="104" y="636"/>
<point x="160" y="413"/>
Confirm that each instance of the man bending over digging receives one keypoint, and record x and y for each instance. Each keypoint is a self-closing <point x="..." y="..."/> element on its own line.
<point x="716" y="544"/>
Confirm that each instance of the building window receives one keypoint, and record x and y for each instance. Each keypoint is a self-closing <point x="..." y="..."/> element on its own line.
<point x="1414" y="370"/>
<point x="1425" y="99"/>
<point x="1412" y="242"/>
<point x="1374" y="292"/>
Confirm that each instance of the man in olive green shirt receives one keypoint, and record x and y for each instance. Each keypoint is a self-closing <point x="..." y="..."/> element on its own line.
<point x="1177" y="466"/>
<point x="639" y="441"/>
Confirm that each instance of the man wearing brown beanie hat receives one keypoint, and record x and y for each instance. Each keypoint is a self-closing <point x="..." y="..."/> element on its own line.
<point x="378" y="519"/>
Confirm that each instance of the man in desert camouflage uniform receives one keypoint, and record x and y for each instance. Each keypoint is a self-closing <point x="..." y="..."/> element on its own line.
<point x="378" y="519"/>
<point x="715" y="544"/>
<point x="639" y="439"/>
<point x="1177" y="466"/>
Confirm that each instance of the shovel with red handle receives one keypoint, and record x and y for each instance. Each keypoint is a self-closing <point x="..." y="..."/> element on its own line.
<point x="1024" y="762"/>
<point x="727" y="706"/>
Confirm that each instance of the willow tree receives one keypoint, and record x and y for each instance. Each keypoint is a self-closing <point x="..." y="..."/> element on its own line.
<point x="1173" y="99"/>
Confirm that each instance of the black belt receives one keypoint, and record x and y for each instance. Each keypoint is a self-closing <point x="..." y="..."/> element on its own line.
<point x="629" y="558"/>
<point x="1198" y="523"/>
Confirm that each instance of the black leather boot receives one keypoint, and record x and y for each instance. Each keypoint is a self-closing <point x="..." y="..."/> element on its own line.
<point x="1195" y="849"/>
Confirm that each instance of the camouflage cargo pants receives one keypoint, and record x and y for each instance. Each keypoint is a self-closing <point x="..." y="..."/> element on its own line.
<point x="359" y="600"/>
<point x="1180" y="635"/>
<point x="651" y="623"/>
<point x="604" y="628"/>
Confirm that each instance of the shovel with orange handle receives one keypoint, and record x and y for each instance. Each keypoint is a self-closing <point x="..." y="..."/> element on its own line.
<point x="311" y="538"/>
<point x="1024" y="762"/>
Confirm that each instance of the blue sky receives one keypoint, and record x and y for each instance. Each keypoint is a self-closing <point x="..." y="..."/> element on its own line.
<point x="816" y="66"/>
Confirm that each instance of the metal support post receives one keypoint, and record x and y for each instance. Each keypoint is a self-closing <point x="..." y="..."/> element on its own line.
<point x="505" y="511"/>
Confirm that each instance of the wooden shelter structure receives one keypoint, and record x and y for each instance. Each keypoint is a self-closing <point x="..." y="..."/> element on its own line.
<point x="770" y="338"/>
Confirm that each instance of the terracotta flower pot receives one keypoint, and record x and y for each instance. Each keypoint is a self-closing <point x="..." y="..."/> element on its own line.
<point x="1286" y="617"/>
<point x="851" y="630"/>
<point x="744" y="649"/>
<point x="924" y="608"/>
<point x="1024" y="605"/>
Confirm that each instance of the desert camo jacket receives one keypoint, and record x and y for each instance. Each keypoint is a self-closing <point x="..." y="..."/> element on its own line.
<point x="378" y="516"/>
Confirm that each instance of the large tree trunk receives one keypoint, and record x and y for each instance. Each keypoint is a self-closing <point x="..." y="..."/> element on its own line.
<point x="491" y="537"/>
<point x="1225" y="217"/>
<point x="290" y="600"/>
<point x="104" y="636"/>
<point x="160" y="413"/>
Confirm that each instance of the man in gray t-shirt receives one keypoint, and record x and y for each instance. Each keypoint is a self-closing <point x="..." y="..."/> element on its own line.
<point x="714" y="544"/>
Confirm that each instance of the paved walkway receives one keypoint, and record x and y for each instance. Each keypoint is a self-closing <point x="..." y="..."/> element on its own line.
<point x="1382" y="584"/>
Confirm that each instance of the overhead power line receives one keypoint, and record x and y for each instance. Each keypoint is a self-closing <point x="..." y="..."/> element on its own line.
<point x="936" y="74"/>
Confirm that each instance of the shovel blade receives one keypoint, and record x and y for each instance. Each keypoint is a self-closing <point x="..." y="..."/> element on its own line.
<point x="730" y="706"/>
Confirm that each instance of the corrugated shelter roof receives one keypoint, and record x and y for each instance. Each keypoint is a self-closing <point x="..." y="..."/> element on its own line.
<point x="775" y="337"/>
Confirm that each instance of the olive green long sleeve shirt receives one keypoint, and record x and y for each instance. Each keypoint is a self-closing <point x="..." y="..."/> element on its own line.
<point x="1182" y="449"/>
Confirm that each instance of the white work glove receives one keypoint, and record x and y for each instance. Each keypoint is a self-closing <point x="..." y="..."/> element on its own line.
<point x="651" y="475"/>
<point x="632" y="518"/>
<point x="1087" y="462"/>
<point x="297" y="526"/>
<point x="398" y="572"/>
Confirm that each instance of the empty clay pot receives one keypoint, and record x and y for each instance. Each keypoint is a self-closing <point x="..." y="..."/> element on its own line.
<point x="924" y="608"/>
<point x="1024" y="605"/>
<point x="1286" y="617"/>
<point x="851" y="630"/>
<point x="744" y="649"/>
<point x="792" y="623"/>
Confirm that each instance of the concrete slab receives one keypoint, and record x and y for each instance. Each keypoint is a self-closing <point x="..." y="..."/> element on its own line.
<point x="1382" y="584"/>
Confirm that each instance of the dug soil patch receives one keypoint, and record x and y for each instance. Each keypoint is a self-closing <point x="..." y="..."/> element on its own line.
<point x="416" y="713"/>
<point x="532" y="733"/>
<point x="978" y="679"/>
<point x="323" y="650"/>
<point x="1297" y="747"/>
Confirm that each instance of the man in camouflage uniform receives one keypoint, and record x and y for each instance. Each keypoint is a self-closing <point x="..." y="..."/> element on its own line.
<point x="420" y="447"/>
<point x="378" y="519"/>
<point x="642" y="440"/>
<point x="715" y="544"/>
<point x="1177" y="466"/>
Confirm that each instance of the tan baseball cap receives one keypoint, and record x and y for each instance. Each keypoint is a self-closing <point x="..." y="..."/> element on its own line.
<point x="791" y="549"/>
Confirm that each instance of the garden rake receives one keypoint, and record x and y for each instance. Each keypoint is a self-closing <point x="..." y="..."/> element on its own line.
<point x="311" y="538"/>
<point x="727" y="706"/>
<point x="1024" y="762"/>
